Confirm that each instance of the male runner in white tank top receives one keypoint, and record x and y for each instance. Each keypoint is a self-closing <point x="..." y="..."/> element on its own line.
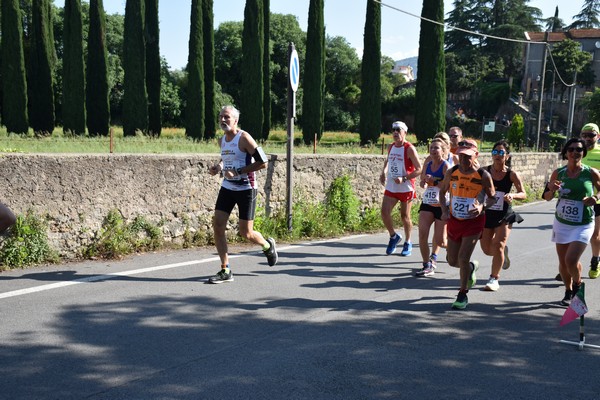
<point x="241" y="157"/>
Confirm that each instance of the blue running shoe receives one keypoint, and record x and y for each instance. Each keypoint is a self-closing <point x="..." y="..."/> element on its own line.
<point x="391" y="247"/>
<point x="407" y="249"/>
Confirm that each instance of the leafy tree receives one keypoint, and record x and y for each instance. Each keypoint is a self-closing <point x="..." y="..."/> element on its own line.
<point x="593" y="107"/>
<point x="370" y="98"/>
<point x="343" y="65"/>
<point x="41" y="69"/>
<point x="14" y="84"/>
<point x="194" y="112"/>
<point x="509" y="19"/>
<point x="401" y="104"/>
<point x="115" y="29"/>
<point x="461" y="16"/>
<point x="252" y="73"/>
<point x="228" y="58"/>
<point x="571" y="62"/>
<point x="390" y="81"/>
<point x="210" y="108"/>
<point x="463" y="77"/>
<point x="73" y="82"/>
<point x="135" y="97"/>
<point x="487" y="97"/>
<point x="342" y="94"/>
<point x="266" y="69"/>
<point x="153" y="67"/>
<point x="555" y="24"/>
<point x="588" y="16"/>
<point x="170" y="97"/>
<point x="314" y="78"/>
<point x="430" y="116"/>
<point x="283" y="30"/>
<point x="97" y="90"/>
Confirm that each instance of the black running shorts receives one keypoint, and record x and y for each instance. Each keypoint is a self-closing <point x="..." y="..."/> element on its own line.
<point x="245" y="200"/>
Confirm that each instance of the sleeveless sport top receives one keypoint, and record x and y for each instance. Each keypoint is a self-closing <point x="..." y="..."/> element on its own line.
<point x="502" y="187"/>
<point x="431" y="195"/>
<point x="569" y="207"/>
<point x="234" y="158"/>
<point x="464" y="189"/>
<point x="399" y="164"/>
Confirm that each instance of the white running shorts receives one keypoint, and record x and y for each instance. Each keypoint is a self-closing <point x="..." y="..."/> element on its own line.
<point x="563" y="233"/>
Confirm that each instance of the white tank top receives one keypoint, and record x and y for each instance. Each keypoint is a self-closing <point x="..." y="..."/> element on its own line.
<point x="234" y="158"/>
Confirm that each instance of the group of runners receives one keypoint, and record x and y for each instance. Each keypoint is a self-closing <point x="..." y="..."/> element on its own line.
<point x="464" y="202"/>
<point x="467" y="203"/>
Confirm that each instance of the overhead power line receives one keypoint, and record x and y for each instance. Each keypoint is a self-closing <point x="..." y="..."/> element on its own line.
<point x="484" y="35"/>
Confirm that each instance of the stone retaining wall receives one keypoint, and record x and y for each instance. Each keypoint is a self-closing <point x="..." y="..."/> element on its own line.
<point x="76" y="192"/>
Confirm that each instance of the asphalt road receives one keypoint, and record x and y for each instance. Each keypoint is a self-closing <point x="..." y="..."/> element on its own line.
<point x="335" y="319"/>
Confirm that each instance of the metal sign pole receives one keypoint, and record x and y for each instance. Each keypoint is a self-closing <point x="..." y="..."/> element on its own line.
<point x="294" y="74"/>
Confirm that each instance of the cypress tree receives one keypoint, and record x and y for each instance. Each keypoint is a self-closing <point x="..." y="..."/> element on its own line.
<point x="430" y="115"/>
<point x="41" y="70"/>
<point x="195" y="108"/>
<point x="14" y="83"/>
<point x="252" y="71"/>
<point x="370" y="98"/>
<point x="267" y="70"/>
<point x="210" y="106"/>
<point x="73" y="105"/>
<point x="153" y="78"/>
<point x="314" y="73"/>
<point x="135" y="97"/>
<point x="97" y="92"/>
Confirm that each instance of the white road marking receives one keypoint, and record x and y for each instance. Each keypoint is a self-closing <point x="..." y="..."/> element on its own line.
<point x="58" y="285"/>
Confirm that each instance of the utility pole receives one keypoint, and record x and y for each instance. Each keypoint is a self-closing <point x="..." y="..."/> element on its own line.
<point x="541" y="92"/>
<point x="572" y="106"/>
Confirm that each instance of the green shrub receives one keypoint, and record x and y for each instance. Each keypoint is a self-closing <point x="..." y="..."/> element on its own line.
<point x="556" y="141"/>
<point x="516" y="132"/>
<point x="27" y="243"/>
<point x="117" y="237"/>
<point x="343" y="207"/>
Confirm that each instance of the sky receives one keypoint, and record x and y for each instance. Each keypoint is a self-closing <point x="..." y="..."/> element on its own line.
<point x="346" y="18"/>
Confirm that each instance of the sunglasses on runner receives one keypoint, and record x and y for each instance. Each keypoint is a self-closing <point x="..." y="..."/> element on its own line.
<point x="498" y="152"/>
<point x="466" y="144"/>
<point x="588" y="134"/>
<point x="577" y="149"/>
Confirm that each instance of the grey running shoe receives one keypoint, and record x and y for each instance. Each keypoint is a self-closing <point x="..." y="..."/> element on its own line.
<point x="427" y="270"/>
<point x="271" y="254"/>
<point x="221" y="277"/>
<point x="506" y="264"/>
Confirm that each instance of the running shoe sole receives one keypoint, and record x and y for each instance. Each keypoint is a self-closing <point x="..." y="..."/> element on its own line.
<point x="473" y="278"/>
<point x="271" y="254"/>
<point x="506" y="264"/>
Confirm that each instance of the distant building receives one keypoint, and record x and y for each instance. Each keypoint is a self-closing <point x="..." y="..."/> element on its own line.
<point x="534" y="54"/>
<point x="405" y="70"/>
